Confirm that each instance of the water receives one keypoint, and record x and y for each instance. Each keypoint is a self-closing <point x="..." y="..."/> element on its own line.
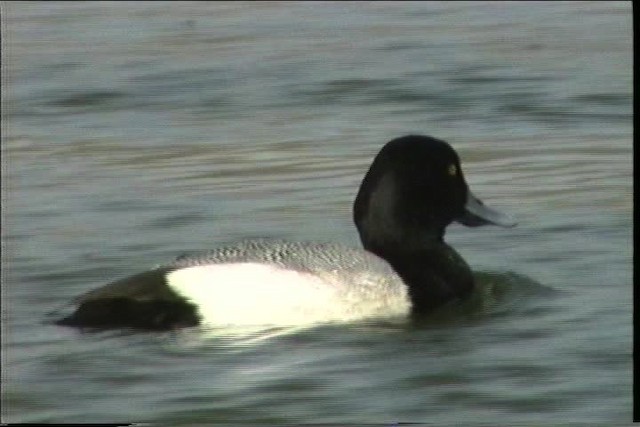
<point x="134" y="132"/>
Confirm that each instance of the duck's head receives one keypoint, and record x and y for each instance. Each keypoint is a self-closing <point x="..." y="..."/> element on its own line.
<point x="413" y="190"/>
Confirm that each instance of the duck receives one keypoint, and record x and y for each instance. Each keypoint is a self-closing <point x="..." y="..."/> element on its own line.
<point x="412" y="191"/>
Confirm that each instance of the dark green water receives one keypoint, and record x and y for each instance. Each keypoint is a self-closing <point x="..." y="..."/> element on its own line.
<point x="134" y="132"/>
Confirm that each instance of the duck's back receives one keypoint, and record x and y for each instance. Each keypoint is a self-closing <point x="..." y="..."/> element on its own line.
<point x="307" y="257"/>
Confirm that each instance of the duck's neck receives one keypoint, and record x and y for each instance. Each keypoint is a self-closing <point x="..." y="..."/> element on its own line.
<point x="434" y="273"/>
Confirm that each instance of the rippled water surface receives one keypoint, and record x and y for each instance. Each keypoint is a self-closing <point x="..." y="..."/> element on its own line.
<point x="134" y="132"/>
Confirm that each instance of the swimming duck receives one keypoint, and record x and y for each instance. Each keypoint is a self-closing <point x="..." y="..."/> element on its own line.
<point x="412" y="191"/>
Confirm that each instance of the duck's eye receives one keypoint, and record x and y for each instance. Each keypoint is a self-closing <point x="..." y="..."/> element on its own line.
<point x="452" y="170"/>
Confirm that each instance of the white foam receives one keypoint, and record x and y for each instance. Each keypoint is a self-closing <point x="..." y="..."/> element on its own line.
<point x="239" y="294"/>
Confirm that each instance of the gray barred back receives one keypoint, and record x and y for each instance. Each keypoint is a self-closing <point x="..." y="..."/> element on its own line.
<point x="316" y="258"/>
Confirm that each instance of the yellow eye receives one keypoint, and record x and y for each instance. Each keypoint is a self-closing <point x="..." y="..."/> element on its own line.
<point x="453" y="170"/>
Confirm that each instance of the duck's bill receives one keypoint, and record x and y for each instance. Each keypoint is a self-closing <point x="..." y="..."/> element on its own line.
<point x="476" y="214"/>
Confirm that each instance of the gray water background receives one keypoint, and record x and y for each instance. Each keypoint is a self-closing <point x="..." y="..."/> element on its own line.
<point x="134" y="132"/>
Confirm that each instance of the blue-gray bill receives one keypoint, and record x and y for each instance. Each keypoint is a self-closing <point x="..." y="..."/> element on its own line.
<point x="477" y="213"/>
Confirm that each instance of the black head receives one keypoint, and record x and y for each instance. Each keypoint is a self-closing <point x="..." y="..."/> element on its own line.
<point x="412" y="191"/>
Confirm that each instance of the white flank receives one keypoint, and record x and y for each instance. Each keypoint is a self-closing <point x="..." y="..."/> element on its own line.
<point x="243" y="294"/>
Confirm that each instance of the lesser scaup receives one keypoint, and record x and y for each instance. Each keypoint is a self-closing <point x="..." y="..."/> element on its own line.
<point x="412" y="191"/>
